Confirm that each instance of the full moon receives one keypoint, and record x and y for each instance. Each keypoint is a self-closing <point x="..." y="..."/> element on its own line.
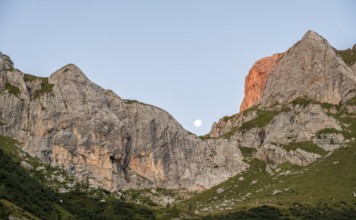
<point x="197" y="123"/>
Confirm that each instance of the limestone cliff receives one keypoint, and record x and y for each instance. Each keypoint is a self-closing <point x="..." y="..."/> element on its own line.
<point x="68" y="121"/>
<point x="312" y="69"/>
<point x="292" y="106"/>
<point x="255" y="81"/>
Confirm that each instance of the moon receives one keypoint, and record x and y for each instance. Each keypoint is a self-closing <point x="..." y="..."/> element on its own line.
<point x="197" y="123"/>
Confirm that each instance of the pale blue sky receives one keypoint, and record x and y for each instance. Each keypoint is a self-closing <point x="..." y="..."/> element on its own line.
<point x="189" y="57"/>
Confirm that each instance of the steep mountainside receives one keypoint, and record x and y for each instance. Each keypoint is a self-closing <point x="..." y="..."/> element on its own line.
<point x="289" y="154"/>
<point x="69" y="122"/>
<point x="312" y="69"/>
<point x="297" y="134"/>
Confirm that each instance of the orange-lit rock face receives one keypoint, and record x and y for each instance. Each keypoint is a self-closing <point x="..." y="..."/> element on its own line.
<point x="256" y="79"/>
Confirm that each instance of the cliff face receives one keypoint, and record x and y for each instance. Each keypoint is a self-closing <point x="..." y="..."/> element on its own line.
<point x="294" y="105"/>
<point x="255" y="81"/>
<point x="312" y="69"/>
<point x="69" y="122"/>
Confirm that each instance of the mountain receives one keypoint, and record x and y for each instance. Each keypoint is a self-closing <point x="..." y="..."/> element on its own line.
<point x="311" y="68"/>
<point x="289" y="154"/>
<point x="69" y="122"/>
<point x="297" y="134"/>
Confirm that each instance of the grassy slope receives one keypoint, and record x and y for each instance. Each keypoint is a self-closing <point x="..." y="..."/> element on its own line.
<point x="328" y="184"/>
<point x="348" y="55"/>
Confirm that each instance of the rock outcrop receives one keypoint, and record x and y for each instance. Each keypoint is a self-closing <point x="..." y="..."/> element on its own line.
<point x="292" y="105"/>
<point x="255" y="81"/>
<point x="353" y="68"/>
<point x="312" y="69"/>
<point x="112" y="143"/>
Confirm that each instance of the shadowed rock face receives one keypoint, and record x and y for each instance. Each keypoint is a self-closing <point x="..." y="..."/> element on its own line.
<point x="255" y="81"/>
<point x="69" y="122"/>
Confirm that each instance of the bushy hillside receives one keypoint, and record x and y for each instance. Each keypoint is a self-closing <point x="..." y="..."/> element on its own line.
<point x="24" y="194"/>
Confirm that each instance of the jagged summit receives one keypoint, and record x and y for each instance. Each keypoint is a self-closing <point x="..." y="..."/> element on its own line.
<point x="311" y="68"/>
<point x="69" y="122"/>
<point x="310" y="34"/>
<point x="69" y="72"/>
<point x="5" y="62"/>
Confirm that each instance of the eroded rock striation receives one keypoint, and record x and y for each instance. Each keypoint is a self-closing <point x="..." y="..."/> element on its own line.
<point x="112" y="143"/>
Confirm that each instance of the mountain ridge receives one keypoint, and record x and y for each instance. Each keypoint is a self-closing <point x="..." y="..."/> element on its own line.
<point x="68" y="121"/>
<point x="297" y="122"/>
<point x="313" y="52"/>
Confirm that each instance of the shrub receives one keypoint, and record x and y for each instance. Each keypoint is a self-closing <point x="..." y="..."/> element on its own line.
<point x="12" y="89"/>
<point x="45" y="86"/>
<point x="348" y="55"/>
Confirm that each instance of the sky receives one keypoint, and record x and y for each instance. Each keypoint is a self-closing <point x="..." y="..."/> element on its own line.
<point x="188" y="57"/>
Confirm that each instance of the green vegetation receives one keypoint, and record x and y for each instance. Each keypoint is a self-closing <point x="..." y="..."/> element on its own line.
<point x="45" y="86"/>
<point x="320" y="133"/>
<point x="2" y="123"/>
<point x="228" y="118"/>
<point x="251" y="109"/>
<point x="323" y="190"/>
<point x="261" y="212"/>
<point x="236" y="188"/>
<point x="205" y="137"/>
<point x="264" y="117"/>
<point x="288" y="166"/>
<point x="351" y="101"/>
<point x="297" y="211"/>
<point x="84" y="207"/>
<point x="25" y="193"/>
<point x="305" y="101"/>
<point x="140" y="196"/>
<point x="7" y="208"/>
<point x="131" y="101"/>
<point x="302" y="101"/>
<point x="12" y="89"/>
<point x="307" y="146"/>
<point x="31" y="78"/>
<point x="348" y="55"/>
<point x="247" y="152"/>
<point x="230" y="133"/>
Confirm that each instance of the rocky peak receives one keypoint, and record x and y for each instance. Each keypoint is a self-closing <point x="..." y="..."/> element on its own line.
<point x="256" y="79"/>
<point x="311" y="35"/>
<point x="111" y="143"/>
<point x="69" y="72"/>
<point x="312" y="69"/>
<point x="5" y="62"/>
